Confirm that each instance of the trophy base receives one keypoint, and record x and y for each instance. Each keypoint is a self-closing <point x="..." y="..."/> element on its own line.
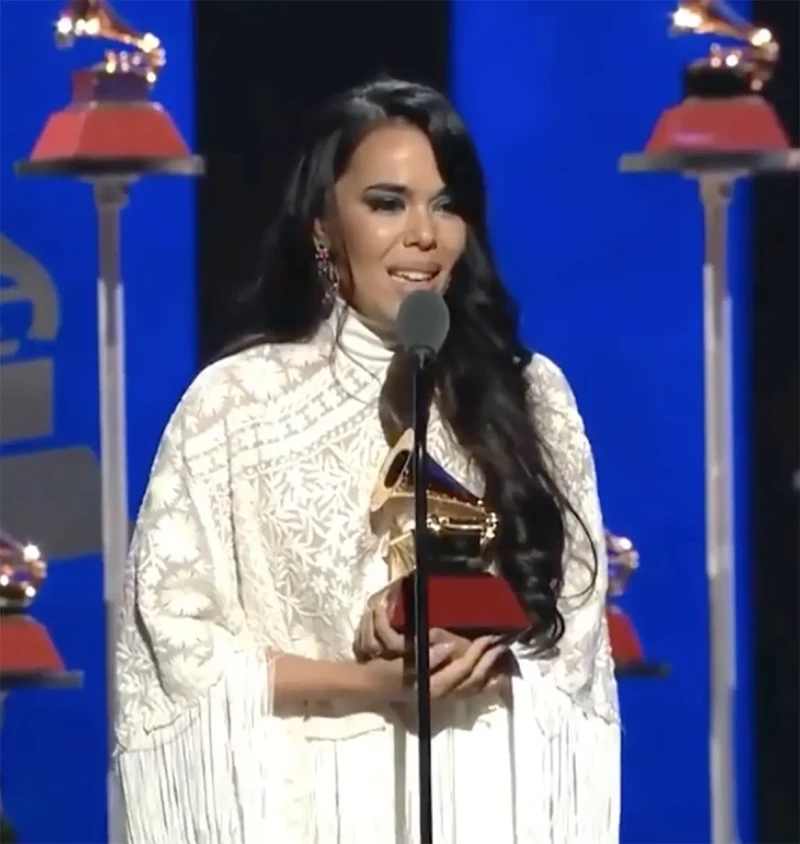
<point x="28" y="657"/>
<point x="27" y="646"/>
<point x="625" y="644"/>
<point x="470" y="605"/>
<point x="109" y="138"/>
<point x="713" y="163"/>
<point x="110" y="167"/>
<point x="730" y="124"/>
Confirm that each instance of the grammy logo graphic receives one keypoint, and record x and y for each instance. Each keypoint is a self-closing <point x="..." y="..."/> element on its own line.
<point x="49" y="492"/>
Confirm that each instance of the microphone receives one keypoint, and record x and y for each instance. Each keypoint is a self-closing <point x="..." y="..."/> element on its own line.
<point x="423" y="322"/>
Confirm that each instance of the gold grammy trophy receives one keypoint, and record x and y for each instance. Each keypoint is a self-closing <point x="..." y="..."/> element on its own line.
<point x="97" y="19"/>
<point x="723" y="130"/>
<point x="465" y="595"/>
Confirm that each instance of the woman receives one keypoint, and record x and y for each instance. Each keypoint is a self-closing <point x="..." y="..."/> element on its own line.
<point x="261" y="694"/>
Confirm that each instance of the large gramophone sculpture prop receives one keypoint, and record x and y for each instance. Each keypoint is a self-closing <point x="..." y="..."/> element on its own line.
<point x="111" y="126"/>
<point x="629" y="655"/>
<point x="110" y="135"/>
<point x="464" y="594"/>
<point x="723" y="130"/>
<point x="723" y="110"/>
<point x="27" y="653"/>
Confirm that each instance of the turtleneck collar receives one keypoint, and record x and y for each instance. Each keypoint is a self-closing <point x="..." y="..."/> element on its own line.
<point x="361" y="339"/>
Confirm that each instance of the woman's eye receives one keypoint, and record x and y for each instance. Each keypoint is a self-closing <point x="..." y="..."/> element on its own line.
<point x="385" y="203"/>
<point x="445" y="206"/>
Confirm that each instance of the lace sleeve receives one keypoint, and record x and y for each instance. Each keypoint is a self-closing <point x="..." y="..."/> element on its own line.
<point x="582" y="667"/>
<point x="199" y="755"/>
<point x="565" y="727"/>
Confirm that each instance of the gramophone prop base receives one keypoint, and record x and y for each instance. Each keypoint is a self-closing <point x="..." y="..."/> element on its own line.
<point x="735" y="136"/>
<point x="28" y="656"/>
<point x="469" y="604"/>
<point x="110" y="129"/>
<point x="102" y="139"/>
<point x="739" y="124"/>
<point x="626" y="647"/>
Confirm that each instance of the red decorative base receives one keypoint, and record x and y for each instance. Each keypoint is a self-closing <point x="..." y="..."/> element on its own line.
<point x="110" y="130"/>
<point x="625" y="645"/>
<point x="738" y="124"/>
<point x="26" y="646"/>
<point x="470" y="605"/>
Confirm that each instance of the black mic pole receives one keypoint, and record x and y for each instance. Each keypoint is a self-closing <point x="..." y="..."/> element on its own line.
<point x="420" y="628"/>
<point x="423" y="321"/>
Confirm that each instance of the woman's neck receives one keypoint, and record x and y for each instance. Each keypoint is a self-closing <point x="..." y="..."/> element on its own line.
<point x="362" y="338"/>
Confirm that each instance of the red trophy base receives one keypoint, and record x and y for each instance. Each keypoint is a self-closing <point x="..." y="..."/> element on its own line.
<point x="28" y="655"/>
<point x="627" y="652"/>
<point x="110" y="129"/>
<point x="625" y="644"/>
<point x="729" y="137"/>
<point x="469" y="605"/>
<point x="738" y="124"/>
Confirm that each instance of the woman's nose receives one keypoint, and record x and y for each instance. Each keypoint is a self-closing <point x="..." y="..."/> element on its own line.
<point x="421" y="230"/>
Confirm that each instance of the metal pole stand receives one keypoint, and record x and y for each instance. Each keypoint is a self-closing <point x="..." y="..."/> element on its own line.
<point x="111" y="196"/>
<point x="717" y="173"/>
<point x="111" y="134"/>
<point x="111" y="180"/>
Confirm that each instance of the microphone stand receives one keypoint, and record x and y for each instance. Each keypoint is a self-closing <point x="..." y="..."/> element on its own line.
<point x="420" y="628"/>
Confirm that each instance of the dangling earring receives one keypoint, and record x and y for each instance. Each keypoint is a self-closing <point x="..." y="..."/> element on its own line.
<point x="326" y="269"/>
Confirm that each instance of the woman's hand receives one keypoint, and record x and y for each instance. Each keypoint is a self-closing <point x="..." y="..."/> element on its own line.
<point x="463" y="675"/>
<point x="377" y="639"/>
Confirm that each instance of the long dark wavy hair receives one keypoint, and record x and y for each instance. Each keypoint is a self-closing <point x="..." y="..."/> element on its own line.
<point x="482" y="389"/>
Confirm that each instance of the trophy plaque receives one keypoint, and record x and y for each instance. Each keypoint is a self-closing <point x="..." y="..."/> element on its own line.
<point x="723" y="130"/>
<point x="464" y="595"/>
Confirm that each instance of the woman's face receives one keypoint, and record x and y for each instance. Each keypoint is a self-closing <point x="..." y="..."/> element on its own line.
<point x="394" y="230"/>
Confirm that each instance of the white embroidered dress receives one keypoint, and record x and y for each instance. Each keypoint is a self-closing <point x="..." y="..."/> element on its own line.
<point x="254" y="538"/>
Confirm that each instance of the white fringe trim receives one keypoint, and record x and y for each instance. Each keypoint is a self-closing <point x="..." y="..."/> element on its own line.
<point x="228" y="772"/>
<point x="567" y="779"/>
<point x="224" y="774"/>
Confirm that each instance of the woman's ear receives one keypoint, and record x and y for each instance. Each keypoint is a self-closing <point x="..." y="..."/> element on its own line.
<point x="320" y="235"/>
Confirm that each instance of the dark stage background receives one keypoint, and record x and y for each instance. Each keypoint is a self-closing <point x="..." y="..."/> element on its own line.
<point x="261" y="68"/>
<point x="775" y="449"/>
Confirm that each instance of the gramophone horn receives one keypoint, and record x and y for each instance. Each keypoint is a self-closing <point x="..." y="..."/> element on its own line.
<point x="97" y="19"/>
<point x="450" y="505"/>
<point x="715" y="17"/>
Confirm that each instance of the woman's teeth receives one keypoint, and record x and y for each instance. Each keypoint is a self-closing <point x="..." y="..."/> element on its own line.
<point x="412" y="276"/>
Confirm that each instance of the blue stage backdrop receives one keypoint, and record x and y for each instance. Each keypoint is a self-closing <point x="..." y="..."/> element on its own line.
<point x="54" y="742"/>
<point x="608" y="270"/>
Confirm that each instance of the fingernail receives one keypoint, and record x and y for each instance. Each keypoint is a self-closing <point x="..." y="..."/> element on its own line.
<point x="442" y="649"/>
